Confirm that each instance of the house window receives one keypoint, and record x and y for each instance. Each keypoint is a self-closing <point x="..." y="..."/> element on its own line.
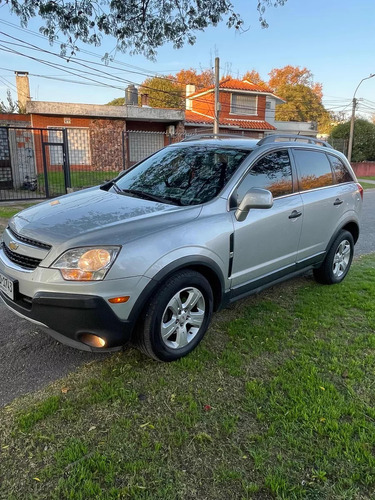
<point x="268" y="105"/>
<point x="78" y="146"/>
<point x="143" y="144"/>
<point x="243" y="104"/>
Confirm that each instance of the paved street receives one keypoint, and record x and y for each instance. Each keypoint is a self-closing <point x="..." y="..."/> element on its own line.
<point x="366" y="242"/>
<point x="30" y="359"/>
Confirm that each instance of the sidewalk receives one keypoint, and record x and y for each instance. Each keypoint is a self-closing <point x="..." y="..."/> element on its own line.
<point x="366" y="180"/>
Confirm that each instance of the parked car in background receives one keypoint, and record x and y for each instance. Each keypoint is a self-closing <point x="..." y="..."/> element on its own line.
<point x="148" y="256"/>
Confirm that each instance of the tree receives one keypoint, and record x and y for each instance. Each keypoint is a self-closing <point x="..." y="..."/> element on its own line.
<point x="118" y="101"/>
<point x="162" y="92"/>
<point x="10" y="106"/>
<point x="302" y="95"/>
<point x="200" y="80"/>
<point x="302" y="104"/>
<point x="254" y="77"/>
<point x="140" y="27"/>
<point x="363" y="141"/>
<point x="169" y="91"/>
<point x="293" y="75"/>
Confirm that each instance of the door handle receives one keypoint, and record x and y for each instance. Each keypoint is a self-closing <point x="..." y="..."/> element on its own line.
<point x="295" y="214"/>
<point x="338" y="201"/>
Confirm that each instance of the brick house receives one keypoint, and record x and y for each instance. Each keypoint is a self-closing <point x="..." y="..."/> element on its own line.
<point x="243" y="108"/>
<point x="106" y="137"/>
<point x="13" y="147"/>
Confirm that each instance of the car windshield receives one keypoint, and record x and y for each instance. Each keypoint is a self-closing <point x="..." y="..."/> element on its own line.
<point x="182" y="175"/>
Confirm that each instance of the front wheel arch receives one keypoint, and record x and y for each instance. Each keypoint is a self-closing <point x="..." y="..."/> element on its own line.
<point x="203" y="265"/>
<point x="150" y="337"/>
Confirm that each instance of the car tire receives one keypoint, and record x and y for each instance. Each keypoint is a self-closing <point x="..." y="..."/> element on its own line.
<point x="338" y="260"/>
<point x="176" y="317"/>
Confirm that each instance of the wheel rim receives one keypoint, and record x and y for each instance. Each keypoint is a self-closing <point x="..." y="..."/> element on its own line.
<point x="342" y="258"/>
<point x="182" y="318"/>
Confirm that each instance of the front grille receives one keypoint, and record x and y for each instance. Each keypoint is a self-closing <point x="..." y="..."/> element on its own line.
<point x="21" y="260"/>
<point x="29" y="241"/>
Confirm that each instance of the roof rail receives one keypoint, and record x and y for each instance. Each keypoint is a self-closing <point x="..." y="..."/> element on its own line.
<point x="197" y="137"/>
<point x="295" y="138"/>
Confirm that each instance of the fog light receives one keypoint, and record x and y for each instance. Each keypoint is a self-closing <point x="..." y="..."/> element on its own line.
<point x="92" y="340"/>
<point x="119" y="300"/>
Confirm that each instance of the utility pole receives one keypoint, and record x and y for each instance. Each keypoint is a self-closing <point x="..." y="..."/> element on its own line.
<point x="351" y="134"/>
<point x="217" y="103"/>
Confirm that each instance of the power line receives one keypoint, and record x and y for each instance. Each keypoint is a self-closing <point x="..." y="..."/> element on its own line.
<point x="99" y="74"/>
<point x="38" y="35"/>
<point x="8" y="84"/>
<point x="77" y="61"/>
<point x="53" y="65"/>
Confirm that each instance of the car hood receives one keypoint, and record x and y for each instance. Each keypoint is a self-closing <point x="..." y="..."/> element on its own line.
<point x="96" y="216"/>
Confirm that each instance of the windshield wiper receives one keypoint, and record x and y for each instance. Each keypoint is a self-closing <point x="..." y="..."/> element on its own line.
<point x="147" y="196"/>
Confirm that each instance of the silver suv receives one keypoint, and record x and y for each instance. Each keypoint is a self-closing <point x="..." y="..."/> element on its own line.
<point x="150" y="255"/>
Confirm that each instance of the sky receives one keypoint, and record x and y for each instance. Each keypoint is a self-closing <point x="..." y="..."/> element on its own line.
<point x="334" y="39"/>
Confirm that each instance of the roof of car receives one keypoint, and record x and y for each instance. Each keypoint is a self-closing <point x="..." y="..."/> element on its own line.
<point x="233" y="141"/>
<point x="220" y="141"/>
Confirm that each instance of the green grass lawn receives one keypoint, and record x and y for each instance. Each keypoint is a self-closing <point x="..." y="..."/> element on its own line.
<point x="276" y="402"/>
<point x="367" y="185"/>
<point x="369" y="177"/>
<point x="8" y="211"/>
<point x="79" y="179"/>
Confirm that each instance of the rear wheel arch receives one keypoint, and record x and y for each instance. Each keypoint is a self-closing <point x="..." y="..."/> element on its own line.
<point x="337" y="261"/>
<point x="353" y="228"/>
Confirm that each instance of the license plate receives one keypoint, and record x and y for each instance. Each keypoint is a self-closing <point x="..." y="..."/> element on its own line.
<point x="7" y="286"/>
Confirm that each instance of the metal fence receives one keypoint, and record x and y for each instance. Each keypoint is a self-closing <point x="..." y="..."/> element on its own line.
<point x="44" y="163"/>
<point x="340" y="144"/>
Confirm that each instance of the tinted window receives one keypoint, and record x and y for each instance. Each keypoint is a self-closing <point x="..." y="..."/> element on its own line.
<point x="342" y="174"/>
<point x="314" y="169"/>
<point x="184" y="175"/>
<point x="272" y="172"/>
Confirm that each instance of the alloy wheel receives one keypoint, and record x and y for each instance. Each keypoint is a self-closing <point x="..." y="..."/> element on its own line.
<point x="183" y="317"/>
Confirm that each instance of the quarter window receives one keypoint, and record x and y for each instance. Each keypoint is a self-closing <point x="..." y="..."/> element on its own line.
<point x="314" y="169"/>
<point x="342" y="174"/>
<point x="272" y="172"/>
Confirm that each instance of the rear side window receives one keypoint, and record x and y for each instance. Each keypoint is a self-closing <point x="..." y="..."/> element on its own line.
<point x="272" y="172"/>
<point x="342" y="174"/>
<point x="314" y="169"/>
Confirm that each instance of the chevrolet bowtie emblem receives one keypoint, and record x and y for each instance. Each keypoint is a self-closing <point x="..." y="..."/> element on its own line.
<point x="13" y="245"/>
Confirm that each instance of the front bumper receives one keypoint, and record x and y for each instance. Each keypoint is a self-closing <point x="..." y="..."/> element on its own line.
<point x="68" y="316"/>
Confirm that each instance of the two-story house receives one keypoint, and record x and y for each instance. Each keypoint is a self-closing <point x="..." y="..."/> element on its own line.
<point x="244" y="108"/>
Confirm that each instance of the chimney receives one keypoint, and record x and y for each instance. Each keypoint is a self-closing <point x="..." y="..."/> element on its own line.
<point x="23" y="88"/>
<point x="144" y="99"/>
<point x="190" y="89"/>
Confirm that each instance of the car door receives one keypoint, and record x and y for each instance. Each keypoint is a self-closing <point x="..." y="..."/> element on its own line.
<point x="266" y="242"/>
<point x="325" y="200"/>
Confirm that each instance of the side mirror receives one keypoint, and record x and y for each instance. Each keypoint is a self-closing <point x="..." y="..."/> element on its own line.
<point x="254" y="198"/>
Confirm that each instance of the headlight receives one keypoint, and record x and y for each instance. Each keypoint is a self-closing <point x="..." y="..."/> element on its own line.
<point x="86" y="264"/>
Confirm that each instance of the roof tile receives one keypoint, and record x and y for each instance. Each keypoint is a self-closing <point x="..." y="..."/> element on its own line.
<point x="233" y="84"/>
<point x="191" y="117"/>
